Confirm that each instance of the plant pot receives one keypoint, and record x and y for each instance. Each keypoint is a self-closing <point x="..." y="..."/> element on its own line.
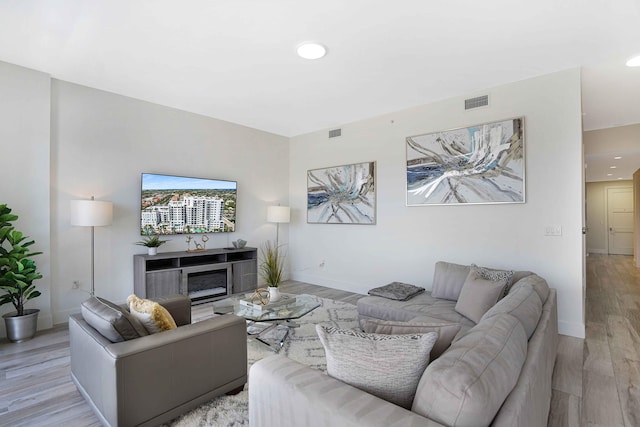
<point x="21" y="328"/>
<point x="153" y="251"/>
<point x="274" y="294"/>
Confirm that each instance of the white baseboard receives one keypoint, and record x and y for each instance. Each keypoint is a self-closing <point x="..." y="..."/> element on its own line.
<point x="330" y="283"/>
<point x="572" y="329"/>
<point x="597" y="251"/>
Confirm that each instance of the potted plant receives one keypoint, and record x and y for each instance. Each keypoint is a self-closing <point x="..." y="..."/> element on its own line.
<point x="271" y="268"/>
<point x="152" y="243"/>
<point x="17" y="274"/>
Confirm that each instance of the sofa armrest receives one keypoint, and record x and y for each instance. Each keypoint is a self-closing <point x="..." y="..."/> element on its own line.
<point x="285" y="393"/>
<point x="188" y="333"/>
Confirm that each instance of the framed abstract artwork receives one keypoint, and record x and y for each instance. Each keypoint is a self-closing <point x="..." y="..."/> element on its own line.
<point x="342" y="194"/>
<point x="472" y="165"/>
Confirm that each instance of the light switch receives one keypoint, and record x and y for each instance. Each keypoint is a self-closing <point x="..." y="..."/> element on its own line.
<point x="553" y="230"/>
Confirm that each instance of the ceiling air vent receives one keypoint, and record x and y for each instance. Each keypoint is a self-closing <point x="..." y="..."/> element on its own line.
<point x="335" y="133"/>
<point x="477" y="102"/>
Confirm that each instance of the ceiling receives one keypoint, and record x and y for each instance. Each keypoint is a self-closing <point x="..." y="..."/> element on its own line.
<point x="236" y="61"/>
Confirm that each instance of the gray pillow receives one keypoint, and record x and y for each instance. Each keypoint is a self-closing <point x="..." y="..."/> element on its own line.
<point x="111" y="321"/>
<point x="495" y="275"/>
<point x="448" y="279"/>
<point x="478" y="295"/>
<point x="387" y="366"/>
<point x="446" y="331"/>
<point x="396" y="291"/>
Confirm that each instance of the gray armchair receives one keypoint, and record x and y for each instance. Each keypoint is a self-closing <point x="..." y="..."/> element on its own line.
<point x="155" y="378"/>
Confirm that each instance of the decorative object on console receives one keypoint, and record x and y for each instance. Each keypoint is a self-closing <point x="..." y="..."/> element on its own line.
<point x="17" y="274"/>
<point x="91" y="213"/>
<point x="342" y="194"/>
<point x="200" y="247"/>
<point x="152" y="243"/>
<point x="239" y="244"/>
<point x="279" y="215"/>
<point x="183" y="205"/>
<point x="154" y="317"/>
<point x="387" y="366"/>
<point x="477" y="164"/>
<point x="271" y="268"/>
<point x="397" y="290"/>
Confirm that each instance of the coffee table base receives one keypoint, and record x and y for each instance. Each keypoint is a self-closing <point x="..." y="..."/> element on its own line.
<point x="277" y="346"/>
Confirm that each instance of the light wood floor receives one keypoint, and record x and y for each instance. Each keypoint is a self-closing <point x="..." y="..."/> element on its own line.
<point x="596" y="381"/>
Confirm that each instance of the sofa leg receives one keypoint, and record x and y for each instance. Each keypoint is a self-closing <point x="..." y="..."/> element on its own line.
<point x="235" y="390"/>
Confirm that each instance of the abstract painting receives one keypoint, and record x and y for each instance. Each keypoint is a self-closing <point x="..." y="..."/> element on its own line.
<point x="477" y="164"/>
<point x="342" y="194"/>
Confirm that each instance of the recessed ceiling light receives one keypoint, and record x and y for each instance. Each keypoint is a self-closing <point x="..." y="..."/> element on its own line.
<point x="619" y="178"/>
<point x="617" y="158"/>
<point x="634" y="62"/>
<point x="311" y="50"/>
<point x="609" y="174"/>
<point x="613" y="167"/>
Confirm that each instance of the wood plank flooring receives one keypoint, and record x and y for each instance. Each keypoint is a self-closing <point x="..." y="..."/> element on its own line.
<point x="596" y="381"/>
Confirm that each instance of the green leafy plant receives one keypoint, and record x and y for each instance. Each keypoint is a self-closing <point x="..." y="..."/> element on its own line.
<point x="272" y="266"/>
<point x="17" y="270"/>
<point x="151" y="242"/>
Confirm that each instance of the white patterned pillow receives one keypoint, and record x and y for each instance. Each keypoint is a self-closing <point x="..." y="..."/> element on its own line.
<point x="387" y="366"/>
<point x="495" y="276"/>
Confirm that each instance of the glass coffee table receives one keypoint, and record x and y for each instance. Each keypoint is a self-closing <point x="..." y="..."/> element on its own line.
<point x="269" y="318"/>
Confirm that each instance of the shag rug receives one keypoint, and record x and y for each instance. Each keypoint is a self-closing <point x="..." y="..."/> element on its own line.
<point x="302" y="345"/>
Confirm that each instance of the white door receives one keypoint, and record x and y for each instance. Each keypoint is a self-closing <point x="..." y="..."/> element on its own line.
<point x="620" y="220"/>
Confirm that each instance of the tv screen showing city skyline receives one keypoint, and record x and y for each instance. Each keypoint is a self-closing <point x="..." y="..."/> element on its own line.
<point x="184" y="205"/>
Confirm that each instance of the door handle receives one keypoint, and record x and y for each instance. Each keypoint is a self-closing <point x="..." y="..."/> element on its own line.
<point x="611" y="230"/>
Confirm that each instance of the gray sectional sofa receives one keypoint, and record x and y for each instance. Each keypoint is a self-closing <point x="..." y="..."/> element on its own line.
<point x="494" y="372"/>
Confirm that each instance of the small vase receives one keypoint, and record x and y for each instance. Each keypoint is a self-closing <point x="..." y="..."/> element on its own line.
<point x="153" y="251"/>
<point x="274" y="294"/>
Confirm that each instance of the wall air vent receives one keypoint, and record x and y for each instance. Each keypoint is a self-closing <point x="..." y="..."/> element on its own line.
<point x="477" y="102"/>
<point x="335" y="133"/>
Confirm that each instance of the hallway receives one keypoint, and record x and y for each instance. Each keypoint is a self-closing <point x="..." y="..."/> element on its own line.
<point x="607" y="390"/>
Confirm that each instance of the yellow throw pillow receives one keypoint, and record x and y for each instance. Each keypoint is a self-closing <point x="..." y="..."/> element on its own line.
<point x="152" y="315"/>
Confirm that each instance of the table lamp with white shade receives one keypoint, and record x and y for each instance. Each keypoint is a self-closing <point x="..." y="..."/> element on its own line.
<point x="91" y="213"/>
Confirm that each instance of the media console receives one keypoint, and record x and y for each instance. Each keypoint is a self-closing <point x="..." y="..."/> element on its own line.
<point x="203" y="276"/>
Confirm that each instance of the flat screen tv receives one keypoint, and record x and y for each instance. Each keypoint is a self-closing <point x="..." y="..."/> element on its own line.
<point x="182" y="205"/>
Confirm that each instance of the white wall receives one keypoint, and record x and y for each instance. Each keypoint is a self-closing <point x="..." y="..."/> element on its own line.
<point x="596" y="201"/>
<point x="102" y="142"/>
<point x="407" y="241"/>
<point x="24" y="174"/>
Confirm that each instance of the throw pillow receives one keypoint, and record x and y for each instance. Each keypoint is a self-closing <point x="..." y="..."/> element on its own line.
<point x="495" y="275"/>
<point x="152" y="315"/>
<point x="396" y="291"/>
<point x="478" y="295"/>
<point x="387" y="366"/>
<point x="446" y="331"/>
<point x="111" y="321"/>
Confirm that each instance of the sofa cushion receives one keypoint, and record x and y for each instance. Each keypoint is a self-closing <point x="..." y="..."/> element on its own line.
<point x="111" y="321"/>
<point x="421" y="305"/>
<point x="479" y="294"/>
<point x="419" y="325"/>
<point x="152" y="315"/>
<point x="397" y="291"/>
<point x="539" y="285"/>
<point x="448" y="279"/>
<point x="467" y="384"/>
<point x="387" y="366"/>
<point x="524" y="304"/>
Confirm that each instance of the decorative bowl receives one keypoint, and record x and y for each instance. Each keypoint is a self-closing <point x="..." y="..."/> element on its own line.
<point x="239" y="244"/>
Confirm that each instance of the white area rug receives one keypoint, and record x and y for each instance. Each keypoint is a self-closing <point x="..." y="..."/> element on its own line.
<point x="302" y="345"/>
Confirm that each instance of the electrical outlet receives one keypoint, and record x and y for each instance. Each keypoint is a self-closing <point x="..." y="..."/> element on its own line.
<point x="321" y="265"/>
<point x="76" y="284"/>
